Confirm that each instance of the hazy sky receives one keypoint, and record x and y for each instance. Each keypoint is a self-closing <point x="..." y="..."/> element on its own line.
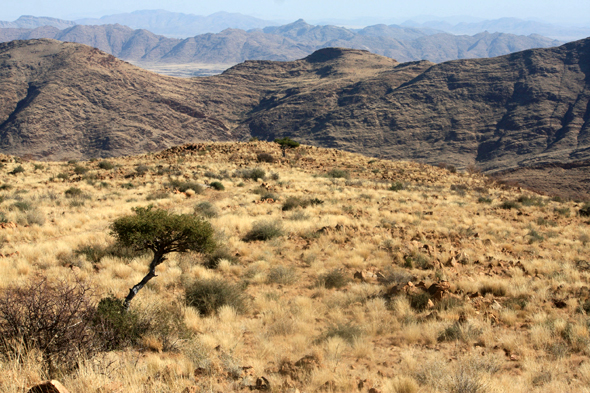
<point x="556" y="11"/>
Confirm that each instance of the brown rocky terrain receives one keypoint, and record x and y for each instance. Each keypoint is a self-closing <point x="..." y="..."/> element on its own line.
<point x="63" y="100"/>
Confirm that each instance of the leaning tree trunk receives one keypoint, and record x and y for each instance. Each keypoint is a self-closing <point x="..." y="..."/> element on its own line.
<point x="158" y="259"/>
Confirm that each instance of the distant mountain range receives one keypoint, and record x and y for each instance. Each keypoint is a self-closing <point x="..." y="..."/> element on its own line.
<point x="507" y="25"/>
<point x="179" y="25"/>
<point x="32" y="22"/>
<point x="284" y="43"/>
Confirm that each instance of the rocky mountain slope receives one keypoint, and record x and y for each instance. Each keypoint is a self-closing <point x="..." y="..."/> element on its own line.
<point x="64" y="100"/>
<point x="283" y="43"/>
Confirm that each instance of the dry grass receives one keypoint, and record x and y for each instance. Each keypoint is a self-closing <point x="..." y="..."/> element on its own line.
<point x="516" y="303"/>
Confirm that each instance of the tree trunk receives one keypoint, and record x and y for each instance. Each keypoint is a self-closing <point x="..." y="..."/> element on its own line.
<point x="151" y="274"/>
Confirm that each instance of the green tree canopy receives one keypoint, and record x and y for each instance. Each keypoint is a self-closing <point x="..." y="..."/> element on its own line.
<point x="286" y="143"/>
<point x="162" y="232"/>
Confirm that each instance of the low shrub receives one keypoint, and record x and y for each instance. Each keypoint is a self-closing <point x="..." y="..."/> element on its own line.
<point x="265" y="157"/>
<point x="116" y="326"/>
<point x="208" y="296"/>
<point x="333" y="279"/>
<point x="212" y="260"/>
<point x="264" y="230"/>
<point x="217" y="185"/>
<point x="183" y="186"/>
<point x="459" y="332"/>
<point x="17" y="170"/>
<point x="562" y="211"/>
<point x="74" y="192"/>
<point x="483" y="199"/>
<point x="396" y="186"/>
<point x="206" y="209"/>
<point x="253" y="174"/>
<point x="141" y="169"/>
<point x="106" y="165"/>
<point x="419" y="302"/>
<point x="80" y="170"/>
<point x="157" y="195"/>
<point x="531" y="200"/>
<point x="282" y="275"/>
<point x="22" y="206"/>
<point x="295" y="202"/>
<point x="507" y="205"/>
<point x="346" y="331"/>
<point x="53" y="317"/>
<point x="338" y="174"/>
<point x="585" y="210"/>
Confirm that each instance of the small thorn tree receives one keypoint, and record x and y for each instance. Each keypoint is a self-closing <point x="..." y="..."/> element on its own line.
<point x="161" y="232"/>
<point x="286" y="143"/>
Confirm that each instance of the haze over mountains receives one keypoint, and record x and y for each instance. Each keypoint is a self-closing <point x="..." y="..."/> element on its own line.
<point x="288" y="42"/>
<point x="66" y="100"/>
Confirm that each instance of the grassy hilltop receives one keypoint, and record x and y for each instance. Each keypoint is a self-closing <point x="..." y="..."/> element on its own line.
<point x="335" y="272"/>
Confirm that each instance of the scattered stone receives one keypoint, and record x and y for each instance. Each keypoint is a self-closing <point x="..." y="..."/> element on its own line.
<point x="559" y="303"/>
<point x="262" y="384"/>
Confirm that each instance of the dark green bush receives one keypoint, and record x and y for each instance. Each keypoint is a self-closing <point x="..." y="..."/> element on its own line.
<point x="106" y="165"/>
<point x="333" y="279"/>
<point x="585" y="210"/>
<point x="510" y="205"/>
<point x="397" y="186"/>
<point x="264" y="230"/>
<point x="338" y="174"/>
<point x="217" y="185"/>
<point x="17" y="170"/>
<point x="117" y="327"/>
<point x="74" y="192"/>
<point x="38" y="167"/>
<point x="207" y="296"/>
<point x="206" y="209"/>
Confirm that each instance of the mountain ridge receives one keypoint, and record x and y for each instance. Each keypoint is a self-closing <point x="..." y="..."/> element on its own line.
<point x="69" y="101"/>
<point x="281" y="43"/>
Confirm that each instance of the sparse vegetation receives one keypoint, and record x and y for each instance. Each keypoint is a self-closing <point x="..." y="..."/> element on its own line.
<point x="106" y="165"/>
<point x="343" y="273"/>
<point x="264" y="230"/>
<point x="208" y="296"/>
